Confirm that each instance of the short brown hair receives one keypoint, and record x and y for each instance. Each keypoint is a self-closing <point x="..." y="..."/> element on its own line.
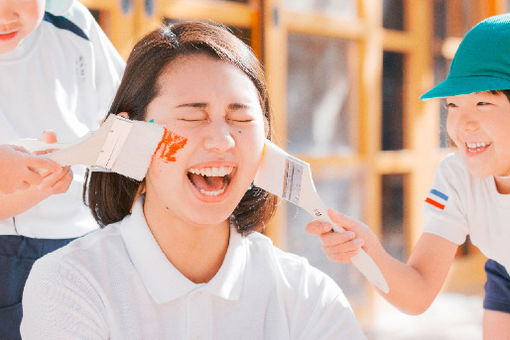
<point x="109" y="195"/>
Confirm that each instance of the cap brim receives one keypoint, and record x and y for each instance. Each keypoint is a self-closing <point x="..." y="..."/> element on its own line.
<point x="454" y="86"/>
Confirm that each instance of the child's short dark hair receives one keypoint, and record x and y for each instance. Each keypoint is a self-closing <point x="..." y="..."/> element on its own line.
<point x="505" y="92"/>
<point x="109" y="195"/>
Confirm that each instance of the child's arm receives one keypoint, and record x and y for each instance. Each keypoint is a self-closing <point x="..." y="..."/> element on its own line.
<point x="17" y="202"/>
<point x="413" y="285"/>
<point x="17" y="168"/>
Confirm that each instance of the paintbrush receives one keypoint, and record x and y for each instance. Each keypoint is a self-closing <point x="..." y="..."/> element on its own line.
<point x="291" y="179"/>
<point x="120" y="145"/>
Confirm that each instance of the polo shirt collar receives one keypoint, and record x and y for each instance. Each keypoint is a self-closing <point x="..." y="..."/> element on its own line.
<point x="162" y="280"/>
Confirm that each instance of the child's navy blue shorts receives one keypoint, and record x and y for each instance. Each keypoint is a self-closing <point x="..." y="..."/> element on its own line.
<point x="17" y="255"/>
<point x="497" y="288"/>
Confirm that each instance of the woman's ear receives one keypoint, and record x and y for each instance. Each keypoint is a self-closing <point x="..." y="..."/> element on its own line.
<point x="266" y="127"/>
<point x="123" y="115"/>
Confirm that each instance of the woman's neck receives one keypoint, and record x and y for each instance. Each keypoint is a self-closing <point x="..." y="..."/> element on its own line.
<point x="197" y="251"/>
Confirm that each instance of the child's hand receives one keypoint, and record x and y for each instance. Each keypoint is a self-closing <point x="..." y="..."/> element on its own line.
<point x="342" y="246"/>
<point x="18" y="168"/>
<point x="57" y="182"/>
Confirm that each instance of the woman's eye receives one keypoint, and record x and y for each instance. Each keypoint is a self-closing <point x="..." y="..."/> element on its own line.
<point x="240" y="120"/>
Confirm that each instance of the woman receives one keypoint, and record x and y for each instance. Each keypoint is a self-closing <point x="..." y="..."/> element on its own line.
<point x="185" y="263"/>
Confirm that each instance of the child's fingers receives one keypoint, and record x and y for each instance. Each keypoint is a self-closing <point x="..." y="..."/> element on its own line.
<point x="342" y="257"/>
<point x="341" y="219"/>
<point x="41" y="163"/>
<point x="345" y="247"/>
<point x="48" y="137"/>
<point x="44" y="152"/>
<point x="63" y="183"/>
<point x="337" y="238"/>
<point x="317" y="227"/>
<point x="30" y="177"/>
<point x="52" y="178"/>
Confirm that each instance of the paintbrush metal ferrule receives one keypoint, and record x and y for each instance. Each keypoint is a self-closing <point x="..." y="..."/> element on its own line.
<point x="293" y="176"/>
<point x="116" y="137"/>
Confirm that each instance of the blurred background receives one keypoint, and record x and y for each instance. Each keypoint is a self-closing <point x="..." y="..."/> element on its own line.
<point x="344" y="78"/>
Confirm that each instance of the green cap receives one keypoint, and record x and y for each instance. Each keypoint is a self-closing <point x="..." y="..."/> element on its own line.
<point x="481" y="63"/>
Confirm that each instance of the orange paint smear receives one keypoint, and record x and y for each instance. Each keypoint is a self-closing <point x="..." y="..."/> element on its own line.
<point x="169" y="145"/>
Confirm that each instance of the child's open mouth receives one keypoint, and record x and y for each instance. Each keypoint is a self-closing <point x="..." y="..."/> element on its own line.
<point x="477" y="147"/>
<point x="8" y="36"/>
<point x="211" y="181"/>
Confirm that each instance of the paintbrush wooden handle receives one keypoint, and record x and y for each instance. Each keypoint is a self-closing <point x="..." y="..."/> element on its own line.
<point x="310" y="201"/>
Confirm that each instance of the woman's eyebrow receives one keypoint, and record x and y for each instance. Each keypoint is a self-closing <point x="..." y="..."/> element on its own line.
<point x="237" y="106"/>
<point x="194" y="105"/>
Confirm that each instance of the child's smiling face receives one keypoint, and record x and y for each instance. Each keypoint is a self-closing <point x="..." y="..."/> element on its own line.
<point x="18" y="18"/>
<point x="479" y="124"/>
<point x="216" y="107"/>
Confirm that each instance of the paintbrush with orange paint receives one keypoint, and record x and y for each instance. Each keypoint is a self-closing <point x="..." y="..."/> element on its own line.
<point x="120" y="145"/>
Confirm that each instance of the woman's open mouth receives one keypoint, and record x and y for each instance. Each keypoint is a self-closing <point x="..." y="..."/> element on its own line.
<point x="211" y="182"/>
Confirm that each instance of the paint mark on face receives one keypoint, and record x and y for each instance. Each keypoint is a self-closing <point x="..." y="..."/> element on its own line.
<point x="169" y="145"/>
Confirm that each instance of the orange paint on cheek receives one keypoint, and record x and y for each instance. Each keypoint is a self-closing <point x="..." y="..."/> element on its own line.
<point x="169" y="145"/>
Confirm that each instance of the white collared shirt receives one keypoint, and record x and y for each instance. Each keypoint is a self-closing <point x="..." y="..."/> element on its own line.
<point x="116" y="283"/>
<point x="460" y="204"/>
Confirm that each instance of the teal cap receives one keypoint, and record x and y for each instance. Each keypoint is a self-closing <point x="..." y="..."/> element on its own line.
<point x="481" y="63"/>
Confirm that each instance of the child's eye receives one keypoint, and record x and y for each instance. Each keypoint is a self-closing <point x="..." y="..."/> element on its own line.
<point x="450" y="105"/>
<point x="483" y="103"/>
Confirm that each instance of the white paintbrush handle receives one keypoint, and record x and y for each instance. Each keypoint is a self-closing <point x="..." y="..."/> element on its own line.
<point x="312" y="203"/>
<point x="62" y="156"/>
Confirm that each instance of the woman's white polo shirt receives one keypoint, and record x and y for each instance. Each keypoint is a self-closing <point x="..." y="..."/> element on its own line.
<point x="116" y="283"/>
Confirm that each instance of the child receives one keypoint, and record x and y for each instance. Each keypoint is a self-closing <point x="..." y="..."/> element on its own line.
<point x="471" y="190"/>
<point x="17" y="169"/>
<point x="59" y="72"/>
<point x="186" y="263"/>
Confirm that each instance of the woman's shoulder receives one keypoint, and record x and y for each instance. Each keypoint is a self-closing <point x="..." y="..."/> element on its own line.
<point x="86" y="253"/>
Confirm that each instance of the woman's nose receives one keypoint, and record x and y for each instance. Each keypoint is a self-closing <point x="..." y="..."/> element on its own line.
<point x="219" y="139"/>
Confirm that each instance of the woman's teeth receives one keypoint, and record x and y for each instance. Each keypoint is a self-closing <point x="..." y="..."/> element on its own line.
<point x="213" y="193"/>
<point x="477" y="147"/>
<point x="209" y="172"/>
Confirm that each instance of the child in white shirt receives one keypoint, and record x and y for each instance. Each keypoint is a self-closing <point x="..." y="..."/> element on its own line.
<point x="58" y="72"/>
<point x="471" y="190"/>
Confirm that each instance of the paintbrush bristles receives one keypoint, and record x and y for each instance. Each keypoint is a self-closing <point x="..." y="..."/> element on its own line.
<point x="271" y="173"/>
<point x="136" y="154"/>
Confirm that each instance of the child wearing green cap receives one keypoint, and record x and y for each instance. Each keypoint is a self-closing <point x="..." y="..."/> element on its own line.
<point x="471" y="190"/>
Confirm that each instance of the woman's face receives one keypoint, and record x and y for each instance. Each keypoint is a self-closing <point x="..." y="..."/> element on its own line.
<point x="216" y="107"/>
<point x="479" y="124"/>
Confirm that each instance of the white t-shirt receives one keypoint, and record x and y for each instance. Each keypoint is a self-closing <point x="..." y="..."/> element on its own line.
<point x="460" y="204"/>
<point x="62" y="77"/>
<point x="116" y="283"/>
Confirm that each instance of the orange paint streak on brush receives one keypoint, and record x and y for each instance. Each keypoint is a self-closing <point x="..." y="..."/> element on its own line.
<point x="169" y="145"/>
